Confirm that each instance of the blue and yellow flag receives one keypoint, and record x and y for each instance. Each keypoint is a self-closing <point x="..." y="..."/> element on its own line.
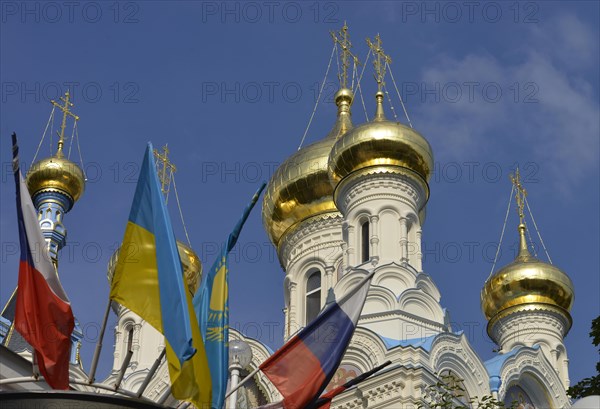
<point x="191" y="381"/>
<point x="148" y="276"/>
<point x="211" y="304"/>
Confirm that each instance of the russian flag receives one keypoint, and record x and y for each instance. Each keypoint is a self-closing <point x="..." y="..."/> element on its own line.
<point x="324" y="402"/>
<point x="302" y="368"/>
<point x="43" y="313"/>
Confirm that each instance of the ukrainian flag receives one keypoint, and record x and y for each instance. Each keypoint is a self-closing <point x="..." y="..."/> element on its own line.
<point x="211" y="305"/>
<point x="148" y="280"/>
<point x="191" y="381"/>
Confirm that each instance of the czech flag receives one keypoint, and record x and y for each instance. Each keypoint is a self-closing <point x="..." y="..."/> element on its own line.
<point x="304" y="366"/>
<point x="43" y="313"/>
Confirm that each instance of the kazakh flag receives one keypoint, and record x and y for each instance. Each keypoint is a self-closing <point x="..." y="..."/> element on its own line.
<point x="148" y="276"/>
<point x="211" y="304"/>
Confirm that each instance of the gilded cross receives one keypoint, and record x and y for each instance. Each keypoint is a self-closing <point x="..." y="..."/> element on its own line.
<point x="66" y="112"/>
<point x="380" y="61"/>
<point x="165" y="170"/>
<point x="343" y="39"/>
<point x="519" y="194"/>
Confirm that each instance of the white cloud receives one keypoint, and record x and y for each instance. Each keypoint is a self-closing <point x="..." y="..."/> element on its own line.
<point x="559" y="127"/>
<point x="566" y="38"/>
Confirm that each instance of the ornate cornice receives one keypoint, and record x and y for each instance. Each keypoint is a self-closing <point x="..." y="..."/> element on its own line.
<point x="543" y="313"/>
<point x="411" y="185"/>
<point x="312" y="234"/>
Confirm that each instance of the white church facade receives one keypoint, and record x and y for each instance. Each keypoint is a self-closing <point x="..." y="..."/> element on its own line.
<point x="355" y="201"/>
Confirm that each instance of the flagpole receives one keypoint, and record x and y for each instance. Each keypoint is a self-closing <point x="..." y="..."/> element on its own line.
<point x="99" y="345"/>
<point x="164" y="396"/>
<point x="34" y="364"/>
<point x="328" y="397"/>
<point x="123" y="368"/>
<point x="242" y="382"/>
<point x="151" y="373"/>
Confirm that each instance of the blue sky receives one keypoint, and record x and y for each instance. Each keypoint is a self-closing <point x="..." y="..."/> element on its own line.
<point x="231" y="86"/>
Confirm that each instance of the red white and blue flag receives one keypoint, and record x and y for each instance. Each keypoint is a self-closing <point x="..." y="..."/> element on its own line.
<point x="324" y="402"/>
<point x="43" y="312"/>
<point x="304" y="366"/>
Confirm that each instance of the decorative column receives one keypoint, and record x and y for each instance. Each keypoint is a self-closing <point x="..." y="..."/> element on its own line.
<point x="286" y="329"/>
<point x="374" y="239"/>
<point x="292" y="321"/>
<point x="351" y="246"/>
<point x="328" y="280"/>
<point x="419" y="253"/>
<point x="565" y="372"/>
<point x="135" y="345"/>
<point x="403" y="240"/>
<point x="345" y="252"/>
<point x="554" y="354"/>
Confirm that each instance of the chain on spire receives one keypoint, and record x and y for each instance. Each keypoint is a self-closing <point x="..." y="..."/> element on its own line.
<point x="66" y="113"/>
<point x="380" y="62"/>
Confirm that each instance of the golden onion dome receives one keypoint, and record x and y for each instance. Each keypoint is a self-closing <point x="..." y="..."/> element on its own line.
<point x="192" y="267"/>
<point x="526" y="283"/>
<point x="56" y="173"/>
<point x="300" y="187"/>
<point x="380" y="143"/>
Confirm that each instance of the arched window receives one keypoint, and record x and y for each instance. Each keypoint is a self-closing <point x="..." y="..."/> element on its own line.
<point x="364" y="241"/>
<point x="313" y="295"/>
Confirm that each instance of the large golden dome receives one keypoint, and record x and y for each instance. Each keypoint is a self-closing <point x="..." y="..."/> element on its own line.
<point x="192" y="267"/>
<point x="380" y="143"/>
<point x="300" y="187"/>
<point x="56" y="173"/>
<point x="524" y="284"/>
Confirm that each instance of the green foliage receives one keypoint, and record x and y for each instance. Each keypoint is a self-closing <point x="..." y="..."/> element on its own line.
<point x="449" y="393"/>
<point x="589" y="386"/>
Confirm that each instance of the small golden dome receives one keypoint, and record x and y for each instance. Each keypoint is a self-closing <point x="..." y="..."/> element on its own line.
<point x="380" y="143"/>
<point x="526" y="282"/>
<point x="56" y="173"/>
<point x="192" y="267"/>
<point x="300" y="187"/>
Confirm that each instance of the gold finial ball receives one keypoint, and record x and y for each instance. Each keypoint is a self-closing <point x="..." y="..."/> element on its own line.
<point x="344" y="95"/>
<point x="299" y="189"/>
<point x="192" y="267"/>
<point x="526" y="282"/>
<point x="56" y="173"/>
<point x="377" y="144"/>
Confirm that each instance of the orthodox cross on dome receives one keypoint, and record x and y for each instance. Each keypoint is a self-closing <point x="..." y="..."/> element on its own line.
<point x="66" y="112"/>
<point x="520" y="194"/>
<point x="165" y="170"/>
<point x="379" y="62"/>
<point x="343" y="39"/>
